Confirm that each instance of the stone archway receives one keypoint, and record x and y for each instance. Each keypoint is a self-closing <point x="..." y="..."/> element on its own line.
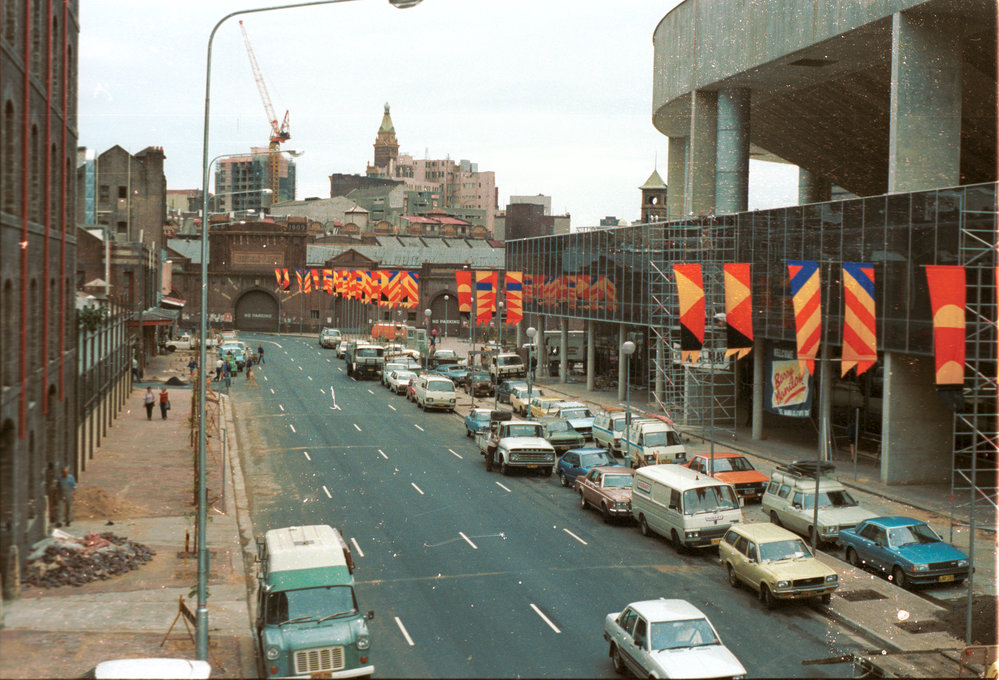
<point x="256" y="310"/>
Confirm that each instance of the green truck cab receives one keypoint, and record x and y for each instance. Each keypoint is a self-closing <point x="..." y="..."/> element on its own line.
<point x="308" y="622"/>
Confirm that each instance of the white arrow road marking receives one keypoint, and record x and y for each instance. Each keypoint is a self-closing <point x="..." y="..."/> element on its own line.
<point x="455" y="453"/>
<point x="503" y="487"/>
<point x="418" y="427"/>
<point x="575" y="536"/>
<point x="544" y="618"/>
<point x="417" y="488"/>
<point x="334" y="407"/>
<point x="307" y="455"/>
<point x="360" y="552"/>
<point x="404" y="633"/>
<point x="467" y="540"/>
<point x="328" y="494"/>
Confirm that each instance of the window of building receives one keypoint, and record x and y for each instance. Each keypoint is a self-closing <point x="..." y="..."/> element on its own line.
<point x="122" y="192"/>
<point x="122" y="227"/>
<point x="104" y="193"/>
<point x="10" y="156"/>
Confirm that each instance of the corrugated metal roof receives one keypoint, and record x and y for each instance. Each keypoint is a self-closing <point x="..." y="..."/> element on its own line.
<point x="189" y="248"/>
<point x="411" y="254"/>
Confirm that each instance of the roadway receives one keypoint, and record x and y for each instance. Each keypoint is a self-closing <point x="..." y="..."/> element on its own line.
<point x="471" y="574"/>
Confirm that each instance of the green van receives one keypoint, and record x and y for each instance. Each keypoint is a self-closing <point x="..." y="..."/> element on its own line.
<point x="308" y="623"/>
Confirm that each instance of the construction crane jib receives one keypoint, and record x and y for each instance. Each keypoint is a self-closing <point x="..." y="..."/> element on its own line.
<point x="279" y="132"/>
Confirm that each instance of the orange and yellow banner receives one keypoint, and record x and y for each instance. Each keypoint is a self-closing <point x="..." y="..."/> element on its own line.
<point x="690" y="292"/>
<point x="485" y="296"/>
<point x="860" y="347"/>
<point x="738" y="310"/>
<point x="947" y="301"/>
<point x="514" y="297"/>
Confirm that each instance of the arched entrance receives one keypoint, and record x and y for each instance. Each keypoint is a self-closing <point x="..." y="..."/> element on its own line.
<point x="257" y="310"/>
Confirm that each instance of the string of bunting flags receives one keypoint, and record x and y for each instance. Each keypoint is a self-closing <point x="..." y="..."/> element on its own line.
<point x="385" y="288"/>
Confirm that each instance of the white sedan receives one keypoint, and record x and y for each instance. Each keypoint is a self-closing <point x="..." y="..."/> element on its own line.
<point x="398" y="380"/>
<point x="668" y="639"/>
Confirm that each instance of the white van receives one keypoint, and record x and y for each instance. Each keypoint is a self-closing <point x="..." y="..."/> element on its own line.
<point x="608" y="429"/>
<point x="434" y="391"/>
<point x="691" y="509"/>
<point x="650" y="441"/>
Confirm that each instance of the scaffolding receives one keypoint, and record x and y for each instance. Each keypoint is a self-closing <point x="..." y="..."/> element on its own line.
<point x="700" y="395"/>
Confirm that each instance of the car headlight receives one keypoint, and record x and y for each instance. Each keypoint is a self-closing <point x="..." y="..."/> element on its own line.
<point x="783" y="584"/>
<point x="273" y="653"/>
<point x="692" y="534"/>
<point x="920" y="567"/>
<point x="832" y="578"/>
<point x="514" y="456"/>
<point x="363" y="642"/>
<point x="832" y="528"/>
<point x="962" y="563"/>
<point x="621" y="504"/>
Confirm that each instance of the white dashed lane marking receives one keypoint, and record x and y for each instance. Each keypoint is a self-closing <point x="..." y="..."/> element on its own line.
<point x="503" y="487"/>
<point x="468" y="540"/>
<point x="544" y="618"/>
<point x="575" y="536"/>
<point x="328" y="494"/>
<point x="417" y="488"/>
<point x="356" y="427"/>
<point x="292" y="428"/>
<point x="360" y="552"/>
<point x="455" y="453"/>
<point x="405" y="634"/>
<point x="307" y="455"/>
<point x="418" y="427"/>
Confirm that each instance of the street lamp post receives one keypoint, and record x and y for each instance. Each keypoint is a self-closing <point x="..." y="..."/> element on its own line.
<point x="531" y="331"/>
<point x="426" y="332"/>
<point x="628" y="348"/>
<point x="201" y="613"/>
<point x="499" y="322"/>
<point x="446" y="298"/>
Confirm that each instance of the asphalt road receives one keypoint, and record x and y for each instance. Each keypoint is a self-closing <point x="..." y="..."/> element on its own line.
<point x="472" y="574"/>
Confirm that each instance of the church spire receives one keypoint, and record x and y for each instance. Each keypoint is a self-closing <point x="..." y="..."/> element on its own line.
<point x="386" y="145"/>
<point x="387" y="121"/>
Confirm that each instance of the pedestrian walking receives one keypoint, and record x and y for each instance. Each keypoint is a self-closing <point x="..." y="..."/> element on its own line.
<point x="260" y="354"/>
<point x="227" y="376"/>
<point x="218" y="369"/>
<point x="149" y="401"/>
<point x="67" y="485"/>
<point x="164" y="401"/>
<point x="135" y="370"/>
<point x="52" y="492"/>
<point x="192" y="366"/>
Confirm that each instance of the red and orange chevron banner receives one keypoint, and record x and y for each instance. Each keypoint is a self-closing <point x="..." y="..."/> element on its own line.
<point x="738" y="310"/>
<point x="690" y="291"/>
<point x="485" y="296"/>
<point x="463" y="279"/>
<point x="283" y="282"/>
<point x="860" y="346"/>
<point x="514" y="297"/>
<point x="807" y="299"/>
<point x="947" y="301"/>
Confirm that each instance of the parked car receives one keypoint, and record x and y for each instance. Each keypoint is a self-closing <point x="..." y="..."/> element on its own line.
<point x="341" y="349"/>
<point x="543" y="406"/>
<point x="388" y="368"/>
<point x="906" y="549"/>
<point x="579" y="416"/>
<point x="476" y="421"/>
<point x="560" y="434"/>
<point x="237" y="351"/>
<point x="520" y="396"/>
<point x="775" y="563"/>
<point x="505" y="388"/>
<point x="668" y="639"/>
<point x="434" y="391"/>
<point x="399" y="379"/>
<point x="453" y="371"/>
<point x="608" y="489"/>
<point x="735" y="469"/>
<point x="329" y="338"/>
<point x="578" y="462"/>
<point x="790" y="501"/>
<point x="478" y="383"/>
<point x="608" y="429"/>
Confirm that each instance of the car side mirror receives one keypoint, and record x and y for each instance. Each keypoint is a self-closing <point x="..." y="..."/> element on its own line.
<point x="797" y="506"/>
<point x="370" y="615"/>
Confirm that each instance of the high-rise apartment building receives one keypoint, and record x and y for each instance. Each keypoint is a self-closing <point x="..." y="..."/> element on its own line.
<point x="243" y="183"/>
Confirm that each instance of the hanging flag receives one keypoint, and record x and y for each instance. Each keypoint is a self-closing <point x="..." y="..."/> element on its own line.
<point x="514" y="297"/>
<point x="738" y="310"/>
<point x="463" y="279"/>
<point x="947" y="301"/>
<point x="807" y="299"/>
<point x="485" y="296"/>
<point x="328" y="281"/>
<point x="860" y="347"/>
<point x="411" y="289"/>
<point x="301" y="280"/>
<point x="283" y="281"/>
<point x="690" y="291"/>
<point x="314" y="274"/>
<point x="394" y="288"/>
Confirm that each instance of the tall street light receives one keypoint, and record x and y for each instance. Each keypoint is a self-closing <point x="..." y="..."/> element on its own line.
<point x="426" y="336"/>
<point x="201" y="614"/>
<point x="531" y="331"/>
<point x="628" y="348"/>
<point x="446" y="298"/>
<point x="499" y="322"/>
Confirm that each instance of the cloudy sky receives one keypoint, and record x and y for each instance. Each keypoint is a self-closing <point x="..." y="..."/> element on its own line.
<point x="554" y="96"/>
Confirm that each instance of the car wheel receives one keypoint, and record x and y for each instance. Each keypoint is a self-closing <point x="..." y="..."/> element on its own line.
<point x="643" y="526"/>
<point x="171" y="348"/>
<point x="605" y="512"/>
<point x="674" y="539"/>
<point x="899" y="576"/>
<point x="768" y="598"/>
<point x="468" y="433"/>
<point x="562" y="479"/>
<point x="616" y="659"/>
<point x="504" y="469"/>
<point x="582" y="500"/>
<point x="733" y="580"/>
<point x="547" y="472"/>
<point x="827" y="598"/>
<point x="774" y="518"/>
<point x="852" y="557"/>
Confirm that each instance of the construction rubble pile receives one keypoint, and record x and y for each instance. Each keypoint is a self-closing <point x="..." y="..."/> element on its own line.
<point x="66" y="560"/>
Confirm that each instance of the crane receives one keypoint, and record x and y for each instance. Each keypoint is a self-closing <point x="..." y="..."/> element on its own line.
<point x="279" y="132"/>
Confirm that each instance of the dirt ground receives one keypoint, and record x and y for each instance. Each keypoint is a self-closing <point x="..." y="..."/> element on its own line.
<point x="983" y="620"/>
<point x="90" y="502"/>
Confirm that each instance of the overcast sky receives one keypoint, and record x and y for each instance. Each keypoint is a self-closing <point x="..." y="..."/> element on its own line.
<point x="553" y="96"/>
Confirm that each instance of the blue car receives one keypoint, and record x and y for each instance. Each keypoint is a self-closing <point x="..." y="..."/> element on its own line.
<point x="578" y="462"/>
<point x="906" y="549"/>
<point x="453" y="371"/>
<point x="476" y="421"/>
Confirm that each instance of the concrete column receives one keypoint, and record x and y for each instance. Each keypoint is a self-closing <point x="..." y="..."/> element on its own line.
<point x="591" y="357"/>
<point x="916" y="428"/>
<point x="660" y="383"/>
<point x="675" y="176"/>
<point x="924" y="138"/>
<point x="759" y="368"/>
<point x="621" y="376"/>
<point x="812" y="188"/>
<point x="699" y="187"/>
<point x="520" y="330"/>
<point x="563" y="349"/>
<point x="539" y="350"/>
<point x="825" y="400"/>
<point x="732" y="171"/>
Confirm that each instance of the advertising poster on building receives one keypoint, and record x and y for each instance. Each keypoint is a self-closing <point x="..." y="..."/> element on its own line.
<point x="788" y="388"/>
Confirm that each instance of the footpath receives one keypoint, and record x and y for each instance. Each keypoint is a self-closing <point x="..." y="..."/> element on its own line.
<point x="140" y="485"/>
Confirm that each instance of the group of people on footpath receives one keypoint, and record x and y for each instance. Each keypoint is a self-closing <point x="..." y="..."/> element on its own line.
<point x="149" y="401"/>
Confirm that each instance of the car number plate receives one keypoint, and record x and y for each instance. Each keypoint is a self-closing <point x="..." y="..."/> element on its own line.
<point x="532" y="466"/>
<point x="947" y="577"/>
<point x="715" y="541"/>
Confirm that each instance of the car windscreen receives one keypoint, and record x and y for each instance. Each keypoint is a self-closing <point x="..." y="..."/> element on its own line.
<point x="661" y="438"/>
<point x="709" y="499"/>
<point x="369" y="352"/>
<point x="310" y="604"/>
<point x="589" y="460"/>
<point x="914" y="534"/>
<point x="525" y="430"/>
<point x="479" y="376"/>
<point x="789" y="549"/>
<point x="618" y="481"/>
<point x="680" y="634"/>
<point x="577" y="413"/>
<point x="729" y="465"/>
<point x="619" y="425"/>
<point x="830" y="499"/>
<point x="507" y="361"/>
<point x="403" y="376"/>
<point x="440" y="386"/>
<point x="558" y="426"/>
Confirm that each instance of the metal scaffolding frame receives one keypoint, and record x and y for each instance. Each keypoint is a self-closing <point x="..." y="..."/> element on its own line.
<point x="701" y="395"/>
